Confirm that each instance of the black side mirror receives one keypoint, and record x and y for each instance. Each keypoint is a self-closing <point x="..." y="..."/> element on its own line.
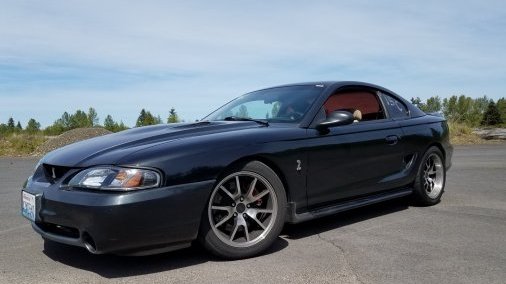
<point x="336" y="118"/>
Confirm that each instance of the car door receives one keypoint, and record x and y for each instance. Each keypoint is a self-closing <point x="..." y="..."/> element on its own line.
<point x="356" y="159"/>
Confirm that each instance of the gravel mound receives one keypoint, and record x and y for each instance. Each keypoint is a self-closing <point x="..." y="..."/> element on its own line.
<point x="69" y="137"/>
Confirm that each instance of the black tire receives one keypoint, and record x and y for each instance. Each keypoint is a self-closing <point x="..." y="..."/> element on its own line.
<point x="422" y="196"/>
<point x="208" y="233"/>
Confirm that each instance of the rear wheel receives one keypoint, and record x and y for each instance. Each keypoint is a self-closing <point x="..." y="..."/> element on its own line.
<point x="245" y="213"/>
<point x="430" y="181"/>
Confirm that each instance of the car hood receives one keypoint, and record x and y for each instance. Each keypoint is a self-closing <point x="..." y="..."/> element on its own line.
<point x="112" y="148"/>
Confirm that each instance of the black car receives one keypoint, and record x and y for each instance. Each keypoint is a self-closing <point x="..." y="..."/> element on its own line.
<point x="285" y="154"/>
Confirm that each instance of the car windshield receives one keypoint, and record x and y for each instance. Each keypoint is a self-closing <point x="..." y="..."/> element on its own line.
<point x="281" y="104"/>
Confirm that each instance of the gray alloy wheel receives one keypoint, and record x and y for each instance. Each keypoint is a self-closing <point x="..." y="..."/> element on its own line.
<point x="431" y="177"/>
<point x="241" y="217"/>
<point x="245" y="213"/>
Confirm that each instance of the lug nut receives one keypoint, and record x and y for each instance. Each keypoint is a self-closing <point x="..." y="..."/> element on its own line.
<point x="242" y="198"/>
<point x="244" y="215"/>
<point x="233" y="204"/>
<point x="248" y="206"/>
<point x="235" y="214"/>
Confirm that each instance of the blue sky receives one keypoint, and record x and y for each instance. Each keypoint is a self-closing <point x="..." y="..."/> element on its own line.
<point x="121" y="56"/>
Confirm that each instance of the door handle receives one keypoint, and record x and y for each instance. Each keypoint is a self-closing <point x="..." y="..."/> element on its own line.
<point x="392" y="139"/>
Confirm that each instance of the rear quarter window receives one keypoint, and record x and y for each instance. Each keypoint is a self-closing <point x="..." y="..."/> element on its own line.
<point x="396" y="108"/>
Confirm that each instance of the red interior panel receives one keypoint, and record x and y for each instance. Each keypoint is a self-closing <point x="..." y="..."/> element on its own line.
<point x="363" y="101"/>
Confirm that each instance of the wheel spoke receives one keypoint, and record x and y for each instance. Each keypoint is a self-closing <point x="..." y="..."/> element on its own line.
<point x="225" y="219"/>
<point x="260" y="195"/>
<point x="235" y="231"/>
<point x="222" y="208"/>
<point x="238" y="185"/>
<point x="251" y="188"/>
<point x="227" y="192"/>
<point x="259" y="223"/>
<point x="246" y="233"/>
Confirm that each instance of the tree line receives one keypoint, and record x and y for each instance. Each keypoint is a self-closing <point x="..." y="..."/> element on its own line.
<point x="462" y="109"/>
<point x="81" y="119"/>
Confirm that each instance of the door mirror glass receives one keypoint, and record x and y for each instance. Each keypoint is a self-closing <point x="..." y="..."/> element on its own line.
<point x="336" y="118"/>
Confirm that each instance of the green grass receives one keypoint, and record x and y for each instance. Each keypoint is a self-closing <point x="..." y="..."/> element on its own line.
<point x="20" y="144"/>
<point x="461" y="134"/>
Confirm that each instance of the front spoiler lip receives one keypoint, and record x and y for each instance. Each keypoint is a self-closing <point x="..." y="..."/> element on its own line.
<point x="59" y="239"/>
<point x="79" y="243"/>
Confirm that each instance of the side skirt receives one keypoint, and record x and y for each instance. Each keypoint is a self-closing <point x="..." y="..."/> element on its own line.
<point x="294" y="218"/>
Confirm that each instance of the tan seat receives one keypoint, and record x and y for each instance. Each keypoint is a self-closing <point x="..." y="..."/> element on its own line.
<point x="357" y="115"/>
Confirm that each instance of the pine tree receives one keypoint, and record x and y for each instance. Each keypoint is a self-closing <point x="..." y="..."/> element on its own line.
<point x="141" y="120"/>
<point x="79" y="119"/>
<point x="146" y="118"/>
<point x="10" y="123"/>
<point x="92" y="117"/>
<point x="492" y="115"/>
<point x="501" y="106"/>
<point x="33" y="126"/>
<point x="109" y="123"/>
<point x="121" y="126"/>
<point x="173" y="118"/>
<point x="18" y="126"/>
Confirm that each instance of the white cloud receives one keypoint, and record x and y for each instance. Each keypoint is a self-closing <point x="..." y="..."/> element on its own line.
<point x="224" y="48"/>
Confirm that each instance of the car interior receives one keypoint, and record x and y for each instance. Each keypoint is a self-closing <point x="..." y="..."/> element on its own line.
<point x="363" y="105"/>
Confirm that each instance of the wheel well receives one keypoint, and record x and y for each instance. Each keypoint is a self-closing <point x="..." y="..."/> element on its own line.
<point x="440" y="147"/>
<point x="266" y="161"/>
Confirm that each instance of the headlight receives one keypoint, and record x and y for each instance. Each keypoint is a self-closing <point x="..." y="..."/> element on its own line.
<point x="115" y="178"/>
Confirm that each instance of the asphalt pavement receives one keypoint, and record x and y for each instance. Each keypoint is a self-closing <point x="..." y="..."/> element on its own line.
<point x="460" y="240"/>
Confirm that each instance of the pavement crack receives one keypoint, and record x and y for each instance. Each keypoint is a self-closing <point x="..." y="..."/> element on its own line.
<point x="344" y="256"/>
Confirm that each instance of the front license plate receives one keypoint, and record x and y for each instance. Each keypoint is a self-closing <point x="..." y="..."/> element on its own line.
<point x="28" y="206"/>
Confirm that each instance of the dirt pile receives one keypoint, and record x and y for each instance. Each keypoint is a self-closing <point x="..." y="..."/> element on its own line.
<point x="69" y="137"/>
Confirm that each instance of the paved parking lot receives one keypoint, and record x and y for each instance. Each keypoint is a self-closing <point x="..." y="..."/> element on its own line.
<point x="461" y="240"/>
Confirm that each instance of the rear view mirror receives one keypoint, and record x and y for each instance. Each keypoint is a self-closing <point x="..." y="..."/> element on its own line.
<point x="336" y="118"/>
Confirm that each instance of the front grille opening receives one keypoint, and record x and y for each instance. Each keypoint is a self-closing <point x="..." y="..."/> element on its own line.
<point x="53" y="172"/>
<point x="59" y="230"/>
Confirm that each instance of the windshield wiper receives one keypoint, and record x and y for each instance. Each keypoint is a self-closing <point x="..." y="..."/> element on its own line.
<point x="238" y="118"/>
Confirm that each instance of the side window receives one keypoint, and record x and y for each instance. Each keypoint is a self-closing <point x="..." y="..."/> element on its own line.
<point x="362" y="104"/>
<point x="396" y="109"/>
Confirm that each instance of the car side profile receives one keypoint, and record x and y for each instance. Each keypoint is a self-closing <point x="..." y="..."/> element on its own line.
<point x="231" y="181"/>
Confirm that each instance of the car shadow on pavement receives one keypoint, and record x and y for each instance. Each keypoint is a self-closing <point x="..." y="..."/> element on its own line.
<point x="314" y="227"/>
<point x="114" y="266"/>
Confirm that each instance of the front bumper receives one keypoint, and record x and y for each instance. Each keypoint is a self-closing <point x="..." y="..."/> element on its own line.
<point x="127" y="223"/>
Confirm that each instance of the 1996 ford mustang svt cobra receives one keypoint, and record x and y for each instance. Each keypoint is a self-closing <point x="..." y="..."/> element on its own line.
<point x="284" y="154"/>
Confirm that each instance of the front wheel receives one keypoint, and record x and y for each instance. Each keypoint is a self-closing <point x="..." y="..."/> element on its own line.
<point x="430" y="180"/>
<point x="245" y="213"/>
